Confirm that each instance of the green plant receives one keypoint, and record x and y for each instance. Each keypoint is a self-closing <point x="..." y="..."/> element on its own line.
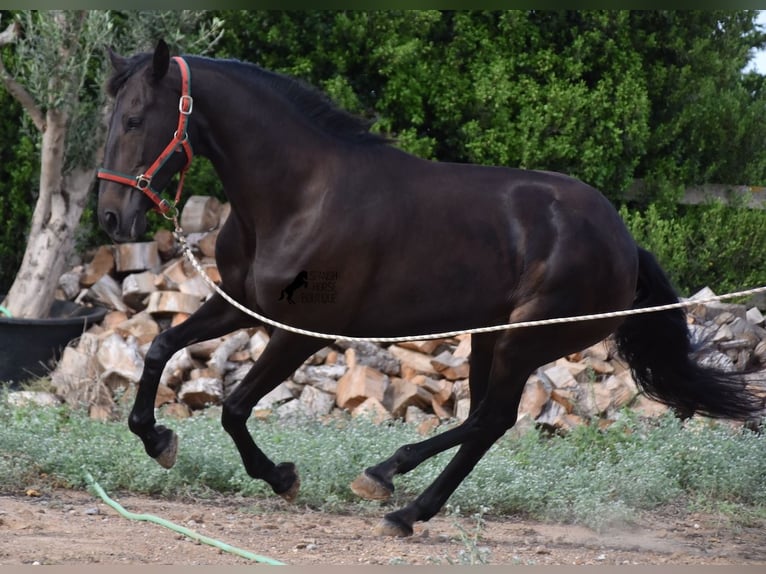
<point x="713" y="245"/>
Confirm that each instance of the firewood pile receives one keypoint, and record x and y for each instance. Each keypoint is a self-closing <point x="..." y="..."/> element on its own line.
<point x="150" y="287"/>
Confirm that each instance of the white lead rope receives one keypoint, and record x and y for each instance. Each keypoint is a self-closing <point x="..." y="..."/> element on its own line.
<point x="178" y="233"/>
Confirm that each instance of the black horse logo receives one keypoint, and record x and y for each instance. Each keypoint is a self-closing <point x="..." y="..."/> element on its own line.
<point x="301" y="280"/>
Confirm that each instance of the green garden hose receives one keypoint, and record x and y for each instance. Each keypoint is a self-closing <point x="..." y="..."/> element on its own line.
<point x="176" y="528"/>
<point x="5" y="311"/>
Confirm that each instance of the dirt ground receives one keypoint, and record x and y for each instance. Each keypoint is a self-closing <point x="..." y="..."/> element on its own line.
<point x="75" y="527"/>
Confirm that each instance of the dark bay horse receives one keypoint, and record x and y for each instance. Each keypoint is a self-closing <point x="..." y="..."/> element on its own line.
<point x="413" y="247"/>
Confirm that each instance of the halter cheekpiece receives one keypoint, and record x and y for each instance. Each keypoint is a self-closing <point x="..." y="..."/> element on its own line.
<point x="180" y="142"/>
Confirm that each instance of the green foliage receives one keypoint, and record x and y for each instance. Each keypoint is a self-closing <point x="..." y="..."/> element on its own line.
<point x="590" y="476"/>
<point x="19" y="166"/>
<point x="712" y="245"/>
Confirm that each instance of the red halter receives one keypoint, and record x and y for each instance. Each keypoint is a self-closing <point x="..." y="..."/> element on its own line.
<point x="180" y="142"/>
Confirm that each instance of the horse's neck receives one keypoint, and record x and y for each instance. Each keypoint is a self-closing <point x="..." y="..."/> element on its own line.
<point x="266" y="159"/>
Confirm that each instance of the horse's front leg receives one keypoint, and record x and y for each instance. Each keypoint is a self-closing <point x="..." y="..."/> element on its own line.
<point x="214" y="318"/>
<point x="284" y="353"/>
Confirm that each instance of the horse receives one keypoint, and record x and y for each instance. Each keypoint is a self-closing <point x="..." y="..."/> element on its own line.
<point x="414" y="246"/>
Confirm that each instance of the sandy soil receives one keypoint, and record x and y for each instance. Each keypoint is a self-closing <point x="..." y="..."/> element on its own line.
<point x="74" y="527"/>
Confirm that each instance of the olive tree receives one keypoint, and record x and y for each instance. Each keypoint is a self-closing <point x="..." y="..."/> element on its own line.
<point x="57" y="76"/>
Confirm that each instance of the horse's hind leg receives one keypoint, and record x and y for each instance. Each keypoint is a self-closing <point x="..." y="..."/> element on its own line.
<point x="213" y="319"/>
<point x="284" y="353"/>
<point x="376" y="482"/>
<point x="495" y="413"/>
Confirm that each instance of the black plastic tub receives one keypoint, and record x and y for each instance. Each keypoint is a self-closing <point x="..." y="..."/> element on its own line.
<point x="30" y="348"/>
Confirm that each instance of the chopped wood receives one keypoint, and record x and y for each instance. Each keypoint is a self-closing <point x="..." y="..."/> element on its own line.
<point x="108" y="293"/>
<point x="141" y="326"/>
<point x="132" y="257"/>
<point x="200" y="213"/>
<point x="101" y="264"/>
<point x="450" y="367"/>
<point x="196" y="286"/>
<point x="428" y="346"/>
<point x="359" y="384"/>
<point x="372" y="409"/>
<point x="199" y="393"/>
<point x="167" y="246"/>
<point x="220" y="357"/>
<point x="113" y="318"/>
<point x="413" y="362"/>
<point x="169" y="302"/>
<point x="206" y="243"/>
<point x="164" y="395"/>
<point x="534" y="397"/>
<point x="120" y="361"/>
<point x="136" y="287"/>
<point x="402" y="394"/>
<point x="176" y="368"/>
<point x="463" y="350"/>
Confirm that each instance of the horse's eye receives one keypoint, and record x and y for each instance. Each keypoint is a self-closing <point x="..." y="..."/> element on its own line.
<point x="134" y="123"/>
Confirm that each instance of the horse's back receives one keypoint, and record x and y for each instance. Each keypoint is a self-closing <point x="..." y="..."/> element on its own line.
<point x="482" y="241"/>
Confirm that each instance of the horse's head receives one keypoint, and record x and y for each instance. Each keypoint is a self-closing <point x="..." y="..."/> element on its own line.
<point x="138" y="160"/>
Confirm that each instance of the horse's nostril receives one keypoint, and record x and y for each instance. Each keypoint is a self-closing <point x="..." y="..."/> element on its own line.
<point x="111" y="220"/>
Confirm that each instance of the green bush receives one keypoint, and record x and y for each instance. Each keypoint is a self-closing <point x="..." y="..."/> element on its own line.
<point x="712" y="245"/>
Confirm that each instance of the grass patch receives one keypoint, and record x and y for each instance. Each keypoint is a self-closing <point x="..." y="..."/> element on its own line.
<point x="592" y="477"/>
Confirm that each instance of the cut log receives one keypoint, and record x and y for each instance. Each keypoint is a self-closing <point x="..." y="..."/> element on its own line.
<point x="316" y="403"/>
<point x="449" y="367"/>
<point x="196" y="286"/>
<point x="412" y="362"/>
<point x="134" y="257"/>
<point x="559" y="376"/>
<point x="164" y="395"/>
<point x="176" y="411"/>
<point x="428" y="346"/>
<point x="223" y="214"/>
<point x="113" y="318"/>
<point x="200" y="213"/>
<point x="101" y="264"/>
<point x="275" y="397"/>
<point x="120" y="361"/>
<point x="373" y="410"/>
<point x="199" y="393"/>
<point x="534" y="397"/>
<point x="463" y="350"/>
<point x="169" y="302"/>
<point x="108" y="293"/>
<point x="206" y="243"/>
<point x="136" y="287"/>
<point x="219" y="359"/>
<point x="175" y="272"/>
<point x="402" y="394"/>
<point x="141" y="326"/>
<point x="176" y="368"/>
<point x="166" y="244"/>
<point x="360" y="384"/>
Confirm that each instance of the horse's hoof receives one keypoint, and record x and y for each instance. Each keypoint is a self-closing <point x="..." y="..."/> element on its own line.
<point x="388" y="527"/>
<point x="369" y="488"/>
<point x="287" y="469"/>
<point x="167" y="458"/>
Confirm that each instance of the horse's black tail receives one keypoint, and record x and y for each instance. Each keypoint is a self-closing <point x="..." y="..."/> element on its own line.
<point x="658" y="348"/>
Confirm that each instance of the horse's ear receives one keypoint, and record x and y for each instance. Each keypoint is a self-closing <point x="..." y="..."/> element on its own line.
<point x="161" y="61"/>
<point x="118" y="62"/>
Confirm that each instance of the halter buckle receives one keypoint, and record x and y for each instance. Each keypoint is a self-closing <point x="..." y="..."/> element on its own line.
<point x="143" y="182"/>
<point x="185" y="105"/>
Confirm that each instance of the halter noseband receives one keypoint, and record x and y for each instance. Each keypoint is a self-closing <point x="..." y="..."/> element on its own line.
<point x="180" y="142"/>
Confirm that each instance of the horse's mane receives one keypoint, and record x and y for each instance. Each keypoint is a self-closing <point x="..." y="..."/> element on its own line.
<point x="307" y="100"/>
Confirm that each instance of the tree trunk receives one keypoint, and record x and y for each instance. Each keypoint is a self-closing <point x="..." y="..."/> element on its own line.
<point x="56" y="217"/>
